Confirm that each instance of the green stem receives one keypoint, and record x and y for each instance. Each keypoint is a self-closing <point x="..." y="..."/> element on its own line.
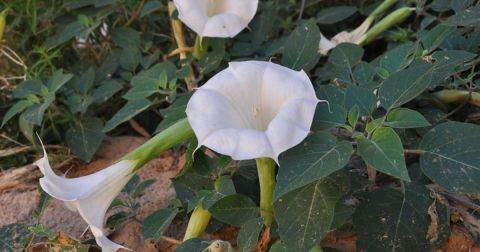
<point x="266" y="175"/>
<point x="316" y="248"/>
<point x="2" y="24"/>
<point x="163" y="141"/>
<point x="198" y="222"/>
<point x="394" y="18"/>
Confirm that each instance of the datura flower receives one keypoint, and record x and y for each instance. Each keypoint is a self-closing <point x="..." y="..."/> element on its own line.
<point x="216" y="18"/>
<point x="354" y="36"/>
<point x="253" y="109"/>
<point x="89" y="195"/>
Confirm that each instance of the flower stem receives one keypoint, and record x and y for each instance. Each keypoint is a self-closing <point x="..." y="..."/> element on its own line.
<point x="266" y="175"/>
<point x="198" y="222"/>
<point x="163" y="141"/>
<point x="394" y="18"/>
<point x="201" y="47"/>
<point x="181" y="43"/>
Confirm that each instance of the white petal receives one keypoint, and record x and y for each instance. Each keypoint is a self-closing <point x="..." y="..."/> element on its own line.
<point x="325" y="45"/>
<point x="216" y="18"/>
<point x="90" y="195"/>
<point x="253" y="109"/>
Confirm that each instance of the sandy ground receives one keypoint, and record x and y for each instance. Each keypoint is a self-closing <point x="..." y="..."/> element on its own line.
<point x="17" y="204"/>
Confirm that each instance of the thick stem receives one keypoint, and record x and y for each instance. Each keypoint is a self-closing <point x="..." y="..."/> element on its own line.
<point x="266" y="175"/>
<point x="163" y="141"/>
<point x="394" y="18"/>
<point x="198" y="223"/>
<point x="201" y="47"/>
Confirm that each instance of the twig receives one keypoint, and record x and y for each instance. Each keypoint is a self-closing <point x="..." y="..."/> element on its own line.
<point x="180" y="50"/>
<point x="171" y="240"/>
<point x="139" y="129"/>
<point x="18" y="150"/>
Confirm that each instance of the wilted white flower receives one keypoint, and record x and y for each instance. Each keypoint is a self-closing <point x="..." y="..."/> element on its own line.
<point x="89" y="195"/>
<point x="216" y="18"/>
<point x="344" y="37"/>
<point x="253" y="109"/>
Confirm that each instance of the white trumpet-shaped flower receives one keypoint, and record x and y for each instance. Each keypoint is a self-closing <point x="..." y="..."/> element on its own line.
<point x="253" y="109"/>
<point x="90" y="195"/>
<point x="354" y="36"/>
<point x="216" y="18"/>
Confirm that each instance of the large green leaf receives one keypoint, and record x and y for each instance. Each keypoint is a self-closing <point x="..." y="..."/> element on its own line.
<point x="397" y="58"/>
<point x="448" y="63"/>
<point x="34" y="114"/>
<point x="344" y="57"/>
<point x="405" y="118"/>
<point x="434" y="38"/>
<point x="234" y="209"/>
<point x="384" y="152"/>
<point x="469" y="17"/>
<point x="131" y="109"/>
<point x="361" y="97"/>
<point x="85" y="137"/>
<point x="317" y="157"/>
<point x="328" y="116"/>
<point x="335" y="14"/>
<point x="305" y="215"/>
<point x="126" y="37"/>
<point x="301" y="47"/>
<point x="154" y="225"/>
<point x="248" y="236"/>
<point x="388" y="220"/>
<point x="401" y="87"/>
<point x="193" y="245"/>
<point x="452" y="156"/>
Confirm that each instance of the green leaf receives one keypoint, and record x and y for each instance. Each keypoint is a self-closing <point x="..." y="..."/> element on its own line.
<point x="234" y="209"/>
<point x="130" y="58"/>
<point x="193" y="245"/>
<point x="211" y="61"/>
<point x="405" y="118"/>
<point x="154" y="225"/>
<point x="353" y="115"/>
<point x="469" y="18"/>
<point x="434" y="38"/>
<point x="64" y="34"/>
<point x="131" y="109"/>
<point x="150" y="7"/>
<point x="384" y="152"/>
<point x="397" y="58"/>
<point x="318" y="156"/>
<point x="402" y="87"/>
<point x="361" y="97"/>
<point x="388" y="220"/>
<point x="301" y="47"/>
<point x="448" y="63"/>
<point x="34" y="114"/>
<point x="331" y="93"/>
<point x="344" y="57"/>
<point x="85" y="137"/>
<point x="452" y="156"/>
<point x="106" y="90"/>
<point x="151" y="77"/>
<point x="174" y="113"/>
<point x="27" y="88"/>
<point x="305" y="215"/>
<point x="331" y="15"/>
<point x="16" y="109"/>
<point x="328" y="116"/>
<point x="126" y="37"/>
<point x="58" y="80"/>
<point x="43" y="203"/>
<point x="248" y="236"/>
